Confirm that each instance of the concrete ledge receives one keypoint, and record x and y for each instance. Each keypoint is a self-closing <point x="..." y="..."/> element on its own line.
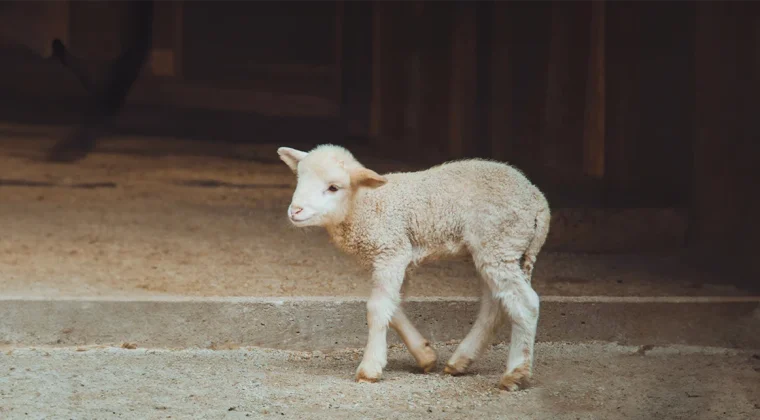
<point x="327" y="323"/>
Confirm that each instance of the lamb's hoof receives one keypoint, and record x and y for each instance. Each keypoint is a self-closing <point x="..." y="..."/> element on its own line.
<point x="427" y="360"/>
<point x="361" y="376"/>
<point x="368" y="374"/>
<point x="458" y="367"/>
<point x="516" y="380"/>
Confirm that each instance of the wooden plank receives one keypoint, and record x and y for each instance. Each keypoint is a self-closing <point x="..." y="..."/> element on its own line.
<point x="622" y="126"/>
<point x="386" y="120"/>
<point x="413" y="76"/>
<point x="724" y="224"/>
<point x="666" y="98"/>
<point x="481" y="144"/>
<point x="753" y="232"/>
<point x="529" y="25"/>
<point x="179" y="37"/>
<point x="593" y="138"/>
<point x="500" y="113"/>
<point x="562" y="140"/>
<point x="434" y="29"/>
<point x="463" y="81"/>
<point x="648" y="103"/>
<point x="356" y="68"/>
<point x="715" y="201"/>
<point x="338" y="70"/>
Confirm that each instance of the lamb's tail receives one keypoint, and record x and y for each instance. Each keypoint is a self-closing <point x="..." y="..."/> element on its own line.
<point x="542" y="221"/>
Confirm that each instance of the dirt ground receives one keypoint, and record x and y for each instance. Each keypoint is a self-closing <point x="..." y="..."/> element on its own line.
<point x="172" y="221"/>
<point x="590" y="381"/>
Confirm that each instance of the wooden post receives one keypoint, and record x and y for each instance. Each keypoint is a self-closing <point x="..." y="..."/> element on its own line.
<point x="529" y="27"/>
<point x="379" y="12"/>
<point x="179" y="35"/>
<point x="356" y="68"/>
<point x="386" y="120"/>
<point x="338" y="70"/>
<point x="463" y="82"/>
<point x="716" y="202"/>
<point x="622" y="51"/>
<point x="562" y="139"/>
<point x="500" y="113"/>
<point x="412" y="69"/>
<point x="434" y="31"/>
<point x="724" y="225"/>
<point x="753" y="231"/>
<point x="593" y="138"/>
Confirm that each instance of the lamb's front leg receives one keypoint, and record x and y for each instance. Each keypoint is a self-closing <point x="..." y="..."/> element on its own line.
<point x="383" y="302"/>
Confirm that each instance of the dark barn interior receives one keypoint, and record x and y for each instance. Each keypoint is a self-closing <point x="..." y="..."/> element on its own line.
<point x="149" y="269"/>
<point x="638" y="119"/>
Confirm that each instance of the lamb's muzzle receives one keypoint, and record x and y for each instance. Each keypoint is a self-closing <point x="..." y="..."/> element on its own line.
<point x="487" y="209"/>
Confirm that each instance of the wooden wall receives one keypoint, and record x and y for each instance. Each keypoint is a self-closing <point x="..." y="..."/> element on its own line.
<point x="617" y="104"/>
<point x="613" y="104"/>
<point x="567" y="90"/>
<point x="727" y="138"/>
<point x="224" y="55"/>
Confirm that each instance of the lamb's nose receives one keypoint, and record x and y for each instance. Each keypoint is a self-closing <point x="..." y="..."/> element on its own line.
<point x="294" y="210"/>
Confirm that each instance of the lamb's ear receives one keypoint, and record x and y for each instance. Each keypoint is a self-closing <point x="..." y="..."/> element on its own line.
<point x="363" y="177"/>
<point x="291" y="157"/>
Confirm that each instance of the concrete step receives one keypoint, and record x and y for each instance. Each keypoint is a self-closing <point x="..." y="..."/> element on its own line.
<point x="328" y="323"/>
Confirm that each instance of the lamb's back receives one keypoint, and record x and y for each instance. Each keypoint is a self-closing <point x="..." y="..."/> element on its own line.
<point x="437" y="208"/>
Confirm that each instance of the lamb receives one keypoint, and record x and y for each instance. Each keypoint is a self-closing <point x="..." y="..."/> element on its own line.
<point x="486" y="209"/>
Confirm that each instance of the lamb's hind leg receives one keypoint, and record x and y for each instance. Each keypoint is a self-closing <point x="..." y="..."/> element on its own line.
<point x="511" y="287"/>
<point x="489" y="318"/>
<point x="414" y="341"/>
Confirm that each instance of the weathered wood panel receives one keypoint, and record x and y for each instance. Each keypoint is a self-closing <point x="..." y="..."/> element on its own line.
<point x="562" y="140"/>
<point x="594" y="119"/>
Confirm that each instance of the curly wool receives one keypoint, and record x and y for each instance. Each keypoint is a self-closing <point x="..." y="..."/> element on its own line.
<point x="448" y="210"/>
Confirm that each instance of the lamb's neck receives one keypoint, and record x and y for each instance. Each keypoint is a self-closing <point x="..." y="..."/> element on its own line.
<point x="340" y="233"/>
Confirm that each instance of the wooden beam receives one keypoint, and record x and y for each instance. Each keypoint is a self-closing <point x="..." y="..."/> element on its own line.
<point x="593" y="138"/>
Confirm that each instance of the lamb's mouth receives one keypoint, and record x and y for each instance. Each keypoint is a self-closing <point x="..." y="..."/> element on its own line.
<point x="300" y="222"/>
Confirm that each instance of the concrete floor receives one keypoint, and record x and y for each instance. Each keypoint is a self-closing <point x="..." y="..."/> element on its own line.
<point x="144" y="218"/>
<point x="138" y="241"/>
<point x="589" y="381"/>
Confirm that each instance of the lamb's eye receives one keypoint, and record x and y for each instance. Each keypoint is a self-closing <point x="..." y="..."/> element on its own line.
<point x="332" y="188"/>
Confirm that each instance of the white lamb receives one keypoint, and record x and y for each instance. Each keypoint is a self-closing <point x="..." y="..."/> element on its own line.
<point x="487" y="209"/>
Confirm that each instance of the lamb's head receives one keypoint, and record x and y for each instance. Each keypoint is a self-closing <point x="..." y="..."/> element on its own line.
<point x="328" y="179"/>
